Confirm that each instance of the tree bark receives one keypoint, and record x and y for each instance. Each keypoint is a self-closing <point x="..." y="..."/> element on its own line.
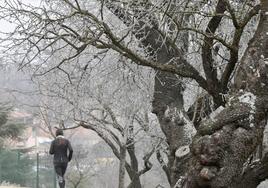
<point x="255" y="173"/>
<point x="135" y="178"/>
<point x="223" y="144"/>
<point x="168" y="89"/>
<point x="122" y="173"/>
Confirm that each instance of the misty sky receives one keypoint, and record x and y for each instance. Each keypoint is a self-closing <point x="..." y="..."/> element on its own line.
<point x="7" y="26"/>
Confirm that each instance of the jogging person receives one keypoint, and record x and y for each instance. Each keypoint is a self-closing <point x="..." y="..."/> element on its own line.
<point x="62" y="150"/>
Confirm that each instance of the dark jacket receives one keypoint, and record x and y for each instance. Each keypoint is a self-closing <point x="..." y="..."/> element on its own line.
<point x="59" y="148"/>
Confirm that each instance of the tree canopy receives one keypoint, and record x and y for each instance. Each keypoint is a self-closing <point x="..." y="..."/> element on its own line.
<point x="220" y="47"/>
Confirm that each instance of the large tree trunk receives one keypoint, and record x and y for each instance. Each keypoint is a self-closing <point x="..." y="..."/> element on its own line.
<point x="223" y="144"/>
<point x="167" y="105"/>
<point x="168" y="98"/>
<point x="168" y="88"/>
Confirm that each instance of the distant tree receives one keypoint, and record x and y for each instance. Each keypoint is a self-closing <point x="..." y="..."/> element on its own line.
<point x="107" y="109"/>
<point x="9" y="128"/>
<point x="82" y="171"/>
<point x="16" y="168"/>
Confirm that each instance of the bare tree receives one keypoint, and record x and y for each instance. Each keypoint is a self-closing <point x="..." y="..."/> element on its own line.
<point x="82" y="171"/>
<point x="107" y="105"/>
<point x="149" y="33"/>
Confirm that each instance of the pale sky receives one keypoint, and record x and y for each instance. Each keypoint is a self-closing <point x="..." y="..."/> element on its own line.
<point x="6" y="26"/>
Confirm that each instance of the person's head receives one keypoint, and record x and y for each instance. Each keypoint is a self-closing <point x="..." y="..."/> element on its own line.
<point x="59" y="132"/>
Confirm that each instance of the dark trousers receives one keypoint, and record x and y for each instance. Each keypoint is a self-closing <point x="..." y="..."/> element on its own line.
<point x="60" y="169"/>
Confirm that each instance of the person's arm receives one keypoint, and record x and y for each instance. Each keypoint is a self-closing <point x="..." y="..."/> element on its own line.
<point x="51" y="150"/>
<point x="70" y="151"/>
